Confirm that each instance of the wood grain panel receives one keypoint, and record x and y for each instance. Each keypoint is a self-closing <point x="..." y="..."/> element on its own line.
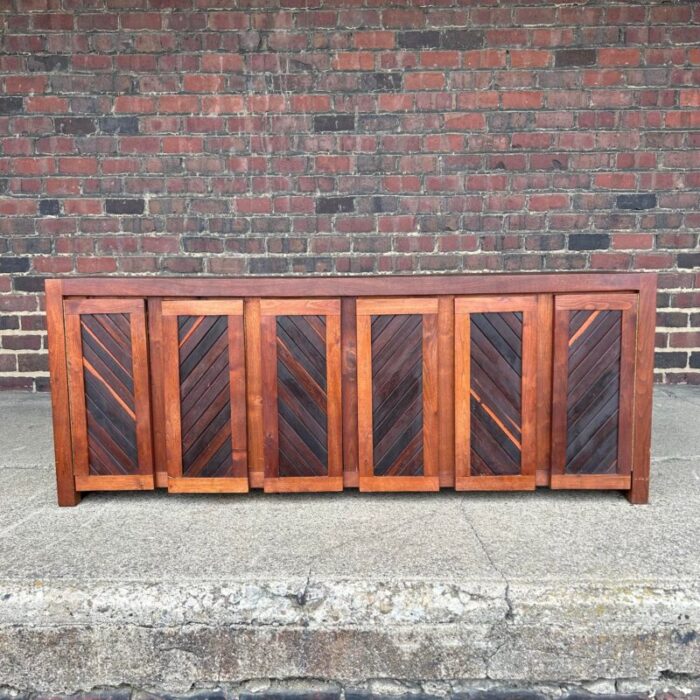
<point x="205" y="396"/>
<point x="593" y="400"/>
<point x="398" y="394"/>
<point x="109" y="393"/>
<point x="495" y="392"/>
<point x="302" y="403"/>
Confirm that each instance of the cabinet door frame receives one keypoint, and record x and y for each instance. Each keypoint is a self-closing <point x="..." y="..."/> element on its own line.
<point x="564" y="304"/>
<point x="270" y="309"/>
<point x="464" y="307"/>
<point x="142" y="478"/>
<point x="428" y="309"/>
<point x="233" y="310"/>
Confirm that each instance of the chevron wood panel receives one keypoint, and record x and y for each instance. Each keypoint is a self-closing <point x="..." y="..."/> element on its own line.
<point x="397" y="394"/>
<point x="109" y="394"/>
<point x="205" y="406"/>
<point x="593" y="398"/>
<point x="495" y="393"/>
<point x="302" y="396"/>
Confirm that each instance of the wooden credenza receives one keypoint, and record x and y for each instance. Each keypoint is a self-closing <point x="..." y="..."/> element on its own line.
<point x="383" y="383"/>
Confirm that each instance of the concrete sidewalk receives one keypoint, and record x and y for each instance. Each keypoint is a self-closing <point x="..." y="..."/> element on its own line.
<point x="439" y="592"/>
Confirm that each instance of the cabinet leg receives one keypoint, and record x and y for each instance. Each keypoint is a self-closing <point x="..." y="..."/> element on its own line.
<point x="639" y="493"/>
<point x="68" y="497"/>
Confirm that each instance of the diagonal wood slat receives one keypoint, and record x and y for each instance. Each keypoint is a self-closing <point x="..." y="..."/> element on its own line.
<point x="205" y="403"/>
<point x="109" y="394"/>
<point x="595" y="346"/>
<point x="496" y="386"/>
<point x="302" y="396"/>
<point x="397" y="394"/>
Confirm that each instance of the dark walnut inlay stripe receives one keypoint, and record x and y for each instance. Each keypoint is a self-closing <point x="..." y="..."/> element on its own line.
<point x="397" y="394"/>
<point x="495" y="393"/>
<point x="595" y="345"/>
<point x="205" y="400"/>
<point x="301" y="396"/>
<point x="109" y="394"/>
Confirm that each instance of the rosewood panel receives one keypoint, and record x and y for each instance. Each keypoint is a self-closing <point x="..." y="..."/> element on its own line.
<point x="593" y="390"/>
<point x="205" y="395"/>
<point x="109" y="396"/>
<point x="495" y="393"/>
<point x="300" y="344"/>
<point x="397" y="396"/>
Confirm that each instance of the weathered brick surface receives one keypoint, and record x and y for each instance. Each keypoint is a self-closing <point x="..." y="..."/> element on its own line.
<point x="287" y="137"/>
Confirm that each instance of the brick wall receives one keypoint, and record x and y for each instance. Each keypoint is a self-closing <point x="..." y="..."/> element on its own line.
<point x="290" y="137"/>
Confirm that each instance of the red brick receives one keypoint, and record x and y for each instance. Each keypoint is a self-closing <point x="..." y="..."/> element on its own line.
<point x="374" y="40"/>
<point x="524" y="99"/>
<point x="619" y="57"/>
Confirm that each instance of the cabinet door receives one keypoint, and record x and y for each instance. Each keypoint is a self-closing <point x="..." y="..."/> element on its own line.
<point x="110" y="414"/>
<point x="397" y="394"/>
<point x="301" y="379"/>
<point x="495" y="393"/>
<point x="593" y="390"/>
<point x="205" y="402"/>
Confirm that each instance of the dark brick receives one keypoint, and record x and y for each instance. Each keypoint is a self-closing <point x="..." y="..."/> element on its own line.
<point x="14" y="264"/>
<point x="419" y="40"/>
<point x="78" y="126"/>
<point x="695" y="360"/>
<point x="4" y="184"/>
<point x="670" y="360"/>
<point x="589" y="241"/>
<point x="48" y="207"/>
<point x="377" y="122"/>
<point x="569" y="58"/>
<point x="119" y="125"/>
<point x="688" y="260"/>
<point x="28" y="284"/>
<point x="334" y="122"/>
<point x="636" y="201"/>
<point x="380" y="82"/>
<point x="385" y="204"/>
<point x="11" y="105"/>
<point x="462" y="39"/>
<point x="124" y="206"/>
<point x="9" y="323"/>
<point x="46" y="64"/>
<point x="266" y="266"/>
<point x="335" y="205"/>
<point x="672" y="319"/>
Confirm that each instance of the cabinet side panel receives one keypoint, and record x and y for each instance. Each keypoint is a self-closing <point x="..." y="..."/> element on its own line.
<point x="397" y="394"/>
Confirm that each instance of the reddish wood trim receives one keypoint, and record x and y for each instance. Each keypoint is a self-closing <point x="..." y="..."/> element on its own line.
<point x="591" y="481"/>
<point x="60" y="406"/>
<point x="446" y="381"/>
<point x="171" y="393"/>
<point x="142" y="399"/>
<point x="334" y="396"/>
<point x="203" y="307"/>
<point x="76" y="393"/>
<point x="348" y="347"/>
<point x="78" y="307"/>
<point x="415" y="305"/>
<point x="269" y="427"/>
<point x="156" y="366"/>
<point x="364" y="399"/>
<point x="528" y="465"/>
<point x="431" y="431"/>
<point x="237" y="392"/>
<point x="208" y="484"/>
<point x="303" y="484"/>
<point x="643" y="387"/>
<point x="399" y="483"/>
<point x="626" y="413"/>
<point x="545" y="342"/>
<point x="254" y="393"/>
<point x="391" y="285"/>
<point x="299" y="307"/>
<point x="560" y="389"/>
<point x="131" y="482"/>
<point x="495" y="483"/>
